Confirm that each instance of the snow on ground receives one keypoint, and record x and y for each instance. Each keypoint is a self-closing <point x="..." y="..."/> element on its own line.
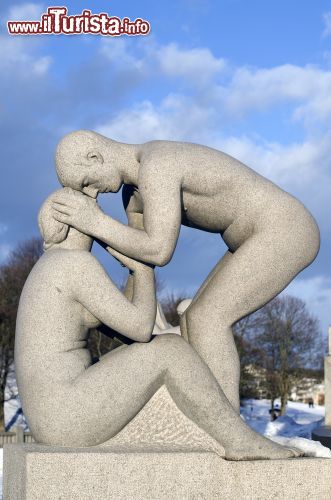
<point x="293" y="429"/>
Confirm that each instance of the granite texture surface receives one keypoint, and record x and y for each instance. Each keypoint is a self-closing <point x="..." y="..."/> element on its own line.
<point x="34" y="472"/>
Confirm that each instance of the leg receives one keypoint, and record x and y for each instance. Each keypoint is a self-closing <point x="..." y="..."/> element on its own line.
<point x="226" y="257"/>
<point x="110" y="393"/>
<point x="261" y="268"/>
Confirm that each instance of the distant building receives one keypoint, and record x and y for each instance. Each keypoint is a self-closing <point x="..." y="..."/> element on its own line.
<point x="308" y="389"/>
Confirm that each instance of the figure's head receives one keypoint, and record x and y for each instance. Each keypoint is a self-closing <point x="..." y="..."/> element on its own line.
<point x="58" y="233"/>
<point x="84" y="161"/>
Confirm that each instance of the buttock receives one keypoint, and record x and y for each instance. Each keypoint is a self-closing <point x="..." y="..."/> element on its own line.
<point x="286" y="221"/>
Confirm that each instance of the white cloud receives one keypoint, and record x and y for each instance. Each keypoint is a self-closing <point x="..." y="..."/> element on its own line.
<point x="233" y="91"/>
<point x="197" y="64"/>
<point x="175" y="118"/>
<point x="41" y="65"/>
<point x="18" y="56"/>
<point x="119" y="51"/>
<point x="26" y="12"/>
<point x="306" y="88"/>
<point x="327" y="24"/>
<point x="294" y="165"/>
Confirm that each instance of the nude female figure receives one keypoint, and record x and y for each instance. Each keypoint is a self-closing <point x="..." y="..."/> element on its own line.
<point x="68" y="401"/>
<point x="270" y="235"/>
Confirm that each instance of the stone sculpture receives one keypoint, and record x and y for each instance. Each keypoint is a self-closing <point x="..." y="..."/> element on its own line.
<point x="68" y="401"/>
<point x="144" y="417"/>
<point x="270" y="235"/>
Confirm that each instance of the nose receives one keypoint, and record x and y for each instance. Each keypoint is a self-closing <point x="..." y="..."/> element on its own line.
<point x="91" y="191"/>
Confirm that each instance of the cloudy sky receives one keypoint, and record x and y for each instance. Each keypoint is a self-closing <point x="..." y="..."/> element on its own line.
<point x="250" y="78"/>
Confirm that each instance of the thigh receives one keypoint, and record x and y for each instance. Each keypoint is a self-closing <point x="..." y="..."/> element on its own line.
<point x="219" y="266"/>
<point x="111" y="392"/>
<point x="243" y="282"/>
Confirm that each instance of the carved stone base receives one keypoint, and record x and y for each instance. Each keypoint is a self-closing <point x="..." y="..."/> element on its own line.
<point x="160" y="454"/>
<point x="35" y="472"/>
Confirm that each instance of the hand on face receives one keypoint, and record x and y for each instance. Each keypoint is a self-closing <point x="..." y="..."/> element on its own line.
<point x="77" y="210"/>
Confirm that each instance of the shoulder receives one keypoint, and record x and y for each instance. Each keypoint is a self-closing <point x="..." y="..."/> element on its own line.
<point x="160" y="165"/>
<point x="84" y="272"/>
<point x="157" y="150"/>
<point x="70" y="260"/>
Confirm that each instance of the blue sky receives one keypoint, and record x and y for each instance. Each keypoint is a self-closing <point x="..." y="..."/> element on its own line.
<point x="250" y="78"/>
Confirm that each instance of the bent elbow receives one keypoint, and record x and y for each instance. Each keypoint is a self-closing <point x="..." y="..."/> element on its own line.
<point x="145" y="339"/>
<point x="162" y="258"/>
<point x="142" y="332"/>
<point x="146" y="332"/>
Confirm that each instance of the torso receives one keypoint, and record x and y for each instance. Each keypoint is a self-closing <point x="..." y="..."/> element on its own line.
<point x="51" y="343"/>
<point x="219" y="194"/>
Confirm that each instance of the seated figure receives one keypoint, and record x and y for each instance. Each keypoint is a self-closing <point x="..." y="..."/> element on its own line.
<point x="70" y="402"/>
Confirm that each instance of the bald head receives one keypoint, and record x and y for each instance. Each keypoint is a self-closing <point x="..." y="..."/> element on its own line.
<point x="75" y="151"/>
<point x="91" y="163"/>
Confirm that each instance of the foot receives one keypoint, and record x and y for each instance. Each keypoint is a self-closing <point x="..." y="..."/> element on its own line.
<point x="260" y="448"/>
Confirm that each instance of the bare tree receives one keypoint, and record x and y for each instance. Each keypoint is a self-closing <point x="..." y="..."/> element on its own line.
<point x="291" y="339"/>
<point x="13" y="275"/>
<point x="250" y="354"/>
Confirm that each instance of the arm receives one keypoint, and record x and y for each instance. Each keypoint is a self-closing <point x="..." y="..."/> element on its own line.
<point x="132" y="208"/>
<point x="129" y="287"/>
<point x="161" y="195"/>
<point x="99" y="295"/>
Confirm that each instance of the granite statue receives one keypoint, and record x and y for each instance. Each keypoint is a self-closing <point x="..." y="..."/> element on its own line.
<point x="270" y="235"/>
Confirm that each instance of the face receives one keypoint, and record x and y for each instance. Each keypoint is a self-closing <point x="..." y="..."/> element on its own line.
<point x="90" y="174"/>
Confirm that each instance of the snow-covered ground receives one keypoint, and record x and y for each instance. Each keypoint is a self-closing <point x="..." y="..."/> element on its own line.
<point x="292" y="429"/>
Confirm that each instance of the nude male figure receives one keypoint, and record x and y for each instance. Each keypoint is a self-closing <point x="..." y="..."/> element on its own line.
<point x="270" y="235"/>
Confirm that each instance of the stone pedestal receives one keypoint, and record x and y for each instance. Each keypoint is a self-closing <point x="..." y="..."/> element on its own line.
<point x="35" y="472"/>
<point x="160" y="454"/>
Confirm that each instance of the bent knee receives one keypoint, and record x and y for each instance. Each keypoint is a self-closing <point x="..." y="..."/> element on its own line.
<point x="306" y="236"/>
<point x="167" y="339"/>
<point x="169" y="346"/>
<point x="208" y="321"/>
<point x="312" y="248"/>
<point x="292" y="232"/>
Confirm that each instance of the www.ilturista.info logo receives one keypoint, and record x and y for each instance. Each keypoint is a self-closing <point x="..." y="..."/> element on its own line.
<point x="56" y="21"/>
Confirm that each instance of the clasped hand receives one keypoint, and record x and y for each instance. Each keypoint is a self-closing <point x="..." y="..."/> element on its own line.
<point x="77" y="210"/>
